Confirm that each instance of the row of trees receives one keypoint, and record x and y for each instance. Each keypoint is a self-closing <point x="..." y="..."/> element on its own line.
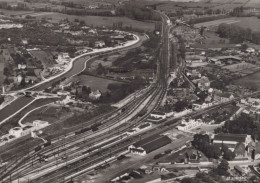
<point x="134" y="11"/>
<point x="238" y="34"/>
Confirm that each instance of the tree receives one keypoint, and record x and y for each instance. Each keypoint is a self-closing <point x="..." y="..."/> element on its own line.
<point x="23" y="83"/>
<point x="229" y="155"/>
<point x="201" y="30"/>
<point x="181" y="105"/>
<point x="222" y="168"/>
<point x="101" y="70"/>
<point x="244" y="47"/>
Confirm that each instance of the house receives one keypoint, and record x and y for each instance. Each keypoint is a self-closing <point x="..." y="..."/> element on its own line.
<point x="39" y="124"/>
<point x="158" y="114"/>
<point x="92" y="31"/>
<point x="63" y="58"/>
<point x="235" y="142"/>
<point x="192" y="154"/>
<point x="222" y="97"/>
<point x="250" y="50"/>
<point x="16" y="132"/>
<point x="99" y="44"/>
<point x="189" y="124"/>
<point x="61" y="93"/>
<point x="27" y="130"/>
<point x="95" y="95"/>
<point x="194" y="74"/>
<point x="252" y="102"/>
<point x="25" y="41"/>
<point x="149" y="144"/>
<point x="18" y="79"/>
<point x="215" y="61"/>
<point x="204" y="83"/>
<point x="21" y="66"/>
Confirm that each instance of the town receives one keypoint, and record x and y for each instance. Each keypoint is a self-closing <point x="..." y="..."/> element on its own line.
<point x="129" y="91"/>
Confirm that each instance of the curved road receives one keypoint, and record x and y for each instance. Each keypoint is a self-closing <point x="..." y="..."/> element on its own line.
<point x="78" y="66"/>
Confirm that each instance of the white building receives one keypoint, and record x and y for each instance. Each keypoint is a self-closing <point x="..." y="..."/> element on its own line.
<point x="21" y="66"/>
<point x="95" y="95"/>
<point x="187" y="125"/>
<point x="158" y="115"/>
<point x="250" y="50"/>
<point x="16" y="132"/>
<point x="99" y="44"/>
<point x="233" y="141"/>
<point x="63" y="58"/>
<point x="61" y="93"/>
<point x="38" y="124"/>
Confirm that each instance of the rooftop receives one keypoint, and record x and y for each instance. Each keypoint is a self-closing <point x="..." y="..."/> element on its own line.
<point x="146" y="140"/>
<point x="156" y="144"/>
<point x="231" y="137"/>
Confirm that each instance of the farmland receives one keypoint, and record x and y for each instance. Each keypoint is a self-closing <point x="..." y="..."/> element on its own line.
<point x="252" y="23"/>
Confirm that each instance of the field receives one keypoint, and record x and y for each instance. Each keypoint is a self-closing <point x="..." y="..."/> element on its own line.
<point x="252" y="23"/>
<point x="215" y="23"/>
<point x="50" y="113"/>
<point x="213" y="41"/>
<point x="95" y="83"/>
<point x="250" y="81"/>
<point x="100" y="21"/>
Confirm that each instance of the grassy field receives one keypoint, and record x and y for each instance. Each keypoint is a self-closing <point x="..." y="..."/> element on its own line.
<point x="214" y="41"/>
<point x="215" y="23"/>
<point x="250" y="81"/>
<point x="95" y="83"/>
<point x="252" y="23"/>
<point x="45" y="57"/>
<point x="13" y="122"/>
<point x="100" y="21"/>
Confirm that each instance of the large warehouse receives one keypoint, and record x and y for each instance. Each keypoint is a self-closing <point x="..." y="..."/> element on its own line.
<point x="149" y="144"/>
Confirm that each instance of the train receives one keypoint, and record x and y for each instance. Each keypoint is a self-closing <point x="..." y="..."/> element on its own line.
<point x="93" y="127"/>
